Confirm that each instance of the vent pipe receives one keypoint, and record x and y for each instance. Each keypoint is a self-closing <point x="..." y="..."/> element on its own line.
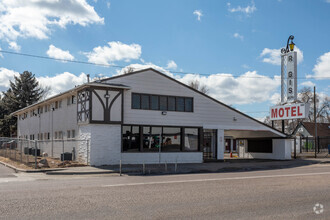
<point x="87" y="78"/>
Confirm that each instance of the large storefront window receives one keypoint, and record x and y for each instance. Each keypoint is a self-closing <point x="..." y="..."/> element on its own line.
<point x="131" y="138"/>
<point x="151" y="137"/>
<point x="171" y="139"/>
<point x="156" y="138"/>
<point x="191" y="139"/>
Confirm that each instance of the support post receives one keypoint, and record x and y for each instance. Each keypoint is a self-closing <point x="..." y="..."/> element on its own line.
<point x="295" y="148"/>
<point x="35" y="155"/>
<point x="21" y="149"/>
<point x="315" y="135"/>
<point x="63" y="149"/>
<point x="120" y="167"/>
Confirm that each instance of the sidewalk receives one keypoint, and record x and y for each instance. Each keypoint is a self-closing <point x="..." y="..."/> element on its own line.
<point x="210" y="167"/>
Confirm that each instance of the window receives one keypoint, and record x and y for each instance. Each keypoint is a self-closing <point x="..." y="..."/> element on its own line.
<point x="191" y="139"/>
<point x="157" y="138"/>
<point x="171" y="139"/>
<point x="131" y="140"/>
<point x="162" y="103"/>
<point x="73" y="134"/>
<point x="188" y="104"/>
<point x="136" y="101"/>
<point x="60" y="135"/>
<point x="68" y="101"/>
<point x="68" y="134"/>
<point x="145" y="102"/>
<point x="180" y="104"/>
<point x="154" y="102"/>
<point x="55" y="134"/>
<point x="46" y="108"/>
<point x="260" y="146"/>
<point x="73" y="99"/>
<point x="151" y="137"/>
<point x="171" y="104"/>
<point x="60" y="104"/>
<point x="56" y="105"/>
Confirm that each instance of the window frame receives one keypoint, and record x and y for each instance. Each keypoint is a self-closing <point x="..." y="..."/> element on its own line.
<point x="182" y="138"/>
<point x="159" y="97"/>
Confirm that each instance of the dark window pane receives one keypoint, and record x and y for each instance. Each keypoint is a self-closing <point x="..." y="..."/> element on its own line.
<point x="136" y="101"/>
<point x="188" y="104"/>
<point x="154" y="102"/>
<point x="135" y="139"/>
<point x="191" y="139"/>
<point x="180" y="104"/>
<point x="145" y="102"/>
<point x="151" y="139"/>
<point x="260" y="146"/>
<point x="171" y="139"/>
<point x="171" y="104"/>
<point x="163" y="103"/>
<point x="126" y="137"/>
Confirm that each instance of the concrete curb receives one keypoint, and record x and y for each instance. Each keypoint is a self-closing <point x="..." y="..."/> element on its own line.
<point x="29" y="171"/>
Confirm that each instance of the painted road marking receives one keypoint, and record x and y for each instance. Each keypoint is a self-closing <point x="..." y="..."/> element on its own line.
<point x="217" y="179"/>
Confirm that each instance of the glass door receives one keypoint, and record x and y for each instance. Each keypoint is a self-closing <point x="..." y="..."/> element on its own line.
<point x="210" y="144"/>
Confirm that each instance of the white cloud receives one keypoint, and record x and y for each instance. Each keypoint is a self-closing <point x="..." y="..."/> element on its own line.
<point x="245" y="66"/>
<point x="275" y="98"/>
<point x="114" y="52"/>
<point x="198" y="13"/>
<point x="248" y="88"/>
<point x="245" y="89"/>
<point x="108" y="4"/>
<point x="13" y="45"/>
<point x="58" y="53"/>
<point x="273" y="56"/>
<point x="322" y="67"/>
<point x="62" y="82"/>
<point x="171" y="65"/>
<point x="238" y="36"/>
<point x="247" y="10"/>
<point x="35" y="18"/>
<point x="308" y="84"/>
<point x="5" y="76"/>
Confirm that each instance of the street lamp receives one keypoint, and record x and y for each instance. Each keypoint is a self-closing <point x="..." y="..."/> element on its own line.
<point x="289" y="47"/>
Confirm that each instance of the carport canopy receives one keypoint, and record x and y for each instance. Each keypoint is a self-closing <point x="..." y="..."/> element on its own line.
<point x="245" y="134"/>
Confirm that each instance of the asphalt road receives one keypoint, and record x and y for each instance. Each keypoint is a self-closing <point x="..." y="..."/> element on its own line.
<point x="5" y="172"/>
<point x="273" y="194"/>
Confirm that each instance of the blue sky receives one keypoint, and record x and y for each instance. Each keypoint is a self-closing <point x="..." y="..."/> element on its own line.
<point x="236" y="43"/>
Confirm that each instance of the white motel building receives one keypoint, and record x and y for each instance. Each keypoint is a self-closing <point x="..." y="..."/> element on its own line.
<point x="148" y="117"/>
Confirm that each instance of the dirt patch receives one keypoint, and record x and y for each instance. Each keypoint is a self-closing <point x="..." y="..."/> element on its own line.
<point x="50" y="163"/>
<point x="15" y="164"/>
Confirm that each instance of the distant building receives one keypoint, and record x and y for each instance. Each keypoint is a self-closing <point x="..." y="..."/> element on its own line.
<point x="306" y="131"/>
<point x="149" y="117"/>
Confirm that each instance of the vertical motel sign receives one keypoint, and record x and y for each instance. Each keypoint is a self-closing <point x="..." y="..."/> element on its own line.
<point x="288" y="108"/>
<point x="291" y="74"/>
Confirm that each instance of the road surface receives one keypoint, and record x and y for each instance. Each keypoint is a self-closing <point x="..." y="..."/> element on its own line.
<point x="272" y="194"/>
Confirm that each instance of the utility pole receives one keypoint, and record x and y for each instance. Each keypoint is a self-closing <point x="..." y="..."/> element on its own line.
<point x="315" y="136"/>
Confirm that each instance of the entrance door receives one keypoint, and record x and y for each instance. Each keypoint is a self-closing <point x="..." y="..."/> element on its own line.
<point x="210" y="144"/>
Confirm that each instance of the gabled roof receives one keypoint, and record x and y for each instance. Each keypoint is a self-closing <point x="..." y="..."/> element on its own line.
<point x="323" y="129"/>
<point x="195" y="90"/>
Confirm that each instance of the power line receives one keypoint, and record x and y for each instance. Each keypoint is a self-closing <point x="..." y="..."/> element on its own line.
<point x="118" y="66"/>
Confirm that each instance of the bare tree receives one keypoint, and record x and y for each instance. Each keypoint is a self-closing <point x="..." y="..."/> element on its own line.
<point x="129" y="70"/>
<point x="195" y="84"/>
